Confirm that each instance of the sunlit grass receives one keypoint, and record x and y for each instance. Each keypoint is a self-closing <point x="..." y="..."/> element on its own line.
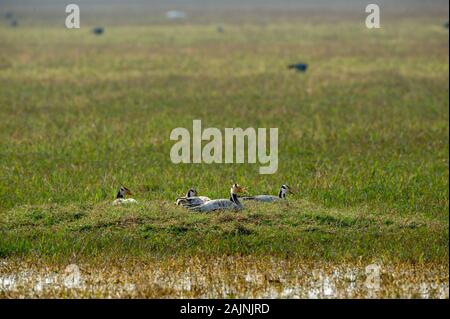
<point x="221" y="277"/>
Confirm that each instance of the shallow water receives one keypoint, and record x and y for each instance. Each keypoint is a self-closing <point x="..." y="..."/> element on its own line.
<point x="228" y="277"/>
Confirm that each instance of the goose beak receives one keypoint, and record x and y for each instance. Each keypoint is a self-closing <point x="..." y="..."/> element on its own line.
<point x="242" y="190"/>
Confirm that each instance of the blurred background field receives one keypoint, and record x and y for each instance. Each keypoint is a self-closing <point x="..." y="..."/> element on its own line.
<point x="363" y="134"/>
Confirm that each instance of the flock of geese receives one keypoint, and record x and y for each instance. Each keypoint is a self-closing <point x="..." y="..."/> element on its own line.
<point x="193" y="202"/>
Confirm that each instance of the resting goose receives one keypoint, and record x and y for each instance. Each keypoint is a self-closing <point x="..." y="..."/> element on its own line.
<point x="232" y="203"/>
<point x="271" y="198"/>
<point x="120" y="198"/>
<point x="191" y="199"/>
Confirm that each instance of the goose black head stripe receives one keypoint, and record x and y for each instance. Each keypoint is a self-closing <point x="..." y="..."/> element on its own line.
<point x="191" y="192"/>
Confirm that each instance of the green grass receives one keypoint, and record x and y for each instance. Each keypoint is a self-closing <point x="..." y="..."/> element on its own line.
<point x="363" y="137"/>
<point x="299" y="229"/>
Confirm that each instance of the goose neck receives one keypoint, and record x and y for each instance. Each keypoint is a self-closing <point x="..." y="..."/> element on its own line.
<point x="234" y="198"/>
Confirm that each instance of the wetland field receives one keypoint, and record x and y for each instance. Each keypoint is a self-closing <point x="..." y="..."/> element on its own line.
<point x="363" y="140"/>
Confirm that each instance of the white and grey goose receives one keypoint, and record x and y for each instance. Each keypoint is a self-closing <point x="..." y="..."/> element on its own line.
<point x="120" y="197"/>
<point x="232" y="203"/>
<point x="271" y="198"/>
<point x="191" y="199"/>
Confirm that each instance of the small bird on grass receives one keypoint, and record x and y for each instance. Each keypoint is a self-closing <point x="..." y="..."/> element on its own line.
<point x="301" y="67"/>
<point x="98" y="30"/>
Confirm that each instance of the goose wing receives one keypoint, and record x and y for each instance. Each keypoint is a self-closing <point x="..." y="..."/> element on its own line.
<point x="192" y="201"/>
<point x="216" y="204"/>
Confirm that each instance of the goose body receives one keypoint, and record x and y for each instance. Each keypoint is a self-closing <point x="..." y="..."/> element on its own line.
<point x="270" y="198"/>
<point x="191" y="199"/>
<point x="120" y="197"/>
<point x="232" y="203"/>
<point x="301" y="67"/>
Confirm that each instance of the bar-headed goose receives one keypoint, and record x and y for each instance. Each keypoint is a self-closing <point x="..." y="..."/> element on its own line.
<point x="191" y="199"/>
<point x="271" y="198"/>
<point x="120" y="198"/>
<point x="232" y="203"/>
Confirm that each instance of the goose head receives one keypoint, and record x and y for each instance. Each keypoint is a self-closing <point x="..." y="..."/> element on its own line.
<point x="191" y="193"/>
<point x="285" y="189"/>
<point x="236" y="189"/>
<point x="123" y="191"/>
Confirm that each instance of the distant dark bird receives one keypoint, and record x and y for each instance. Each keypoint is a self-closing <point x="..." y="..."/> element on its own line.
<point x="98" y="30"/>
<point x="301" y="67"/>
<point x="14" y="23"/>
<point x="446" y="25"/>
<point x="220" y="29"/>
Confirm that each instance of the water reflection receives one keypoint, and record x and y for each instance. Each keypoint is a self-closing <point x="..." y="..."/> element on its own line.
<point x="222" y="281"/>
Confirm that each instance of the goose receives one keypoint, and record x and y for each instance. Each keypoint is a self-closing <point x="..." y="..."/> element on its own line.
<point x="191" y="199"/>
<point x="120" y="198"/>
<point x="271" y="198"/>
<point x="232" y="203"/>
